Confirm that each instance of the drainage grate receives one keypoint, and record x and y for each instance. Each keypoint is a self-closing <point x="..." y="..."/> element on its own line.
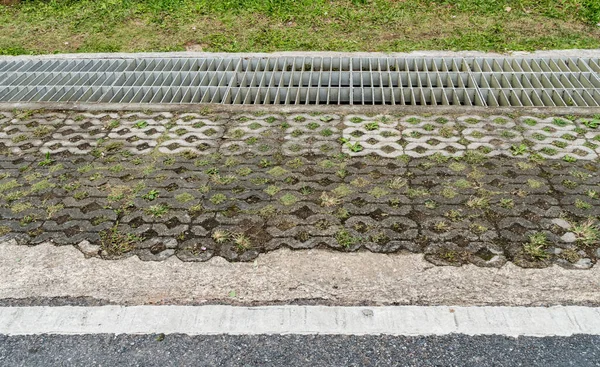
<point x="306" y="80"/>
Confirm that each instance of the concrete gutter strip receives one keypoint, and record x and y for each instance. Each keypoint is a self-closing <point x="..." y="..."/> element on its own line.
<point x="211" y="320"/>
<point x="347" y="109"/>
<point x="117" y="55"/>
<point x="45" y="272"/>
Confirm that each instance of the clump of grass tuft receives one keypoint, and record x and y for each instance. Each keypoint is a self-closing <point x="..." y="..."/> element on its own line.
<point x="536" y="247"/>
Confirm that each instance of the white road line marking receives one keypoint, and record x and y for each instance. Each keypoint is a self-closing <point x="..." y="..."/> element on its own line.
<point x="215" y="319"/>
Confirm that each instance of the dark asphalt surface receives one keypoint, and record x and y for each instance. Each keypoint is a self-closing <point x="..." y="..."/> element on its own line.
<point x="296" y="350"/>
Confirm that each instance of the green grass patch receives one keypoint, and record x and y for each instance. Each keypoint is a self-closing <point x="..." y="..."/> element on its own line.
<point x="38" y="26"/>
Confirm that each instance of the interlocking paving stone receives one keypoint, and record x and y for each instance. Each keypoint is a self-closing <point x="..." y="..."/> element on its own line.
<point x="460" y="189"/>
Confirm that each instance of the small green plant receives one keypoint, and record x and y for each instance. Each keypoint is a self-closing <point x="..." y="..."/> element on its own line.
<point x="140" y="124"/>
<point x="345" y="239"/>
<point x="241" y="241"/>
<point x="507" y="203"/>
<point x="354" y="147"/>
<point x="569" y="158"/>
<point x="220" y="236"/>
<point x="560" y="122"/>
<point x="151" y="195"/>
<point x="288" y="199"/>
<point x="448" y="192"/>
<point x="157" y="211"/>
<point x="218" y="198"/>
<point x="378" y="192"/>
<point x="115" y="243"/>
<point x="592" y="124"/>
<point x="536" y="247"/>
<point x="519" y="149"/>
<point x="580" y="204"/>
<point x="328" y="200"/>
<point x="184" y="197"/>
<point x="397" y="183"/>
<point x="47" y="161"/>
<point x="372" y="126"/>
<point x="272" y="190"/>
<point x="478" y="202"/>
<point x="430" y="204"/>
<point x="587" y="233"/>
<point x="534" y="184"/>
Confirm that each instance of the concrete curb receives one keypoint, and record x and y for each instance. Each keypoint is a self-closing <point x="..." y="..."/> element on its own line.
<point x="429" y="53"/>
<point x="338" y="109"/>
<point x="305" y="320"/>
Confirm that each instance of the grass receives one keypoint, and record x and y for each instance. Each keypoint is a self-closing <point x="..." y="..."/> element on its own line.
<point x="38" y="26"/>
<point x="116" y="243"/>
<point x="536" y="247"/>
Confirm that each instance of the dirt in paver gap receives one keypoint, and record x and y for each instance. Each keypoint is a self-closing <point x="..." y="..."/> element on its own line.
<point x="115" y="194"/>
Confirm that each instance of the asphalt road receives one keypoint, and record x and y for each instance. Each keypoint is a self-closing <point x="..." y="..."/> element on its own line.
<point x="297" y="350"/>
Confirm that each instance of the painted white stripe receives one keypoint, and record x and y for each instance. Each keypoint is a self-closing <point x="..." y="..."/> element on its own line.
<point x="392" y="320"/>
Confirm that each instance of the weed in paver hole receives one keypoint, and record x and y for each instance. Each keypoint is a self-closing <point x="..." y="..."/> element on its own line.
<point x="328" y="200"/>
<point x="453" y="215"/>
<point x="592" y="194"/>
<point x="272" y="190"/>
<point x="430" y="204"/>
<point x="371" y="126"/>
<point x="397" y="183"/>
<point x="473" y="157"/>
<point x="157" y="211"/>
<point x="220" y="236"/>
<point x="12" y="184"/>
<point x="354" y="147"/>
<point x="463" y="184"/>
<point x="414" y="193"/>
<point x="592" y="124"/>
<point x="536" y="247"/>
<point x="218" y="199"/>
<point x="440" y="226"/>
<point x="580" y="204"/>
<point x="345" y="239"/>
<point x="140" y="124"/>
<point x="53" y="209"/>
<point x="507" y="203"/>
<point x="560" y="122"/>
<point x="184" y="197"/>
<point x="115" y="243"/>
<point x="378" y="192"/>
<point x="534" y="184"/>
<point x="478" y="228"/>
<point x="4" y="230"/>
<point x="288" y="199"/>
<point x="478" y="202"/>
<point x="151" y="195"/>
<point x="342" y="190"/>
<point x="47" y="161"/>
<point x="519" y="149"/>
<point x="80" y="195"/>
<point x="448" y="193"/>
<point x="569" y="159"/>
<point x="587" y="233"/>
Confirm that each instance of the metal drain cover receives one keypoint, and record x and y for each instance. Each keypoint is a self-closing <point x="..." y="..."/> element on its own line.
<point x="551" y="82"/>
